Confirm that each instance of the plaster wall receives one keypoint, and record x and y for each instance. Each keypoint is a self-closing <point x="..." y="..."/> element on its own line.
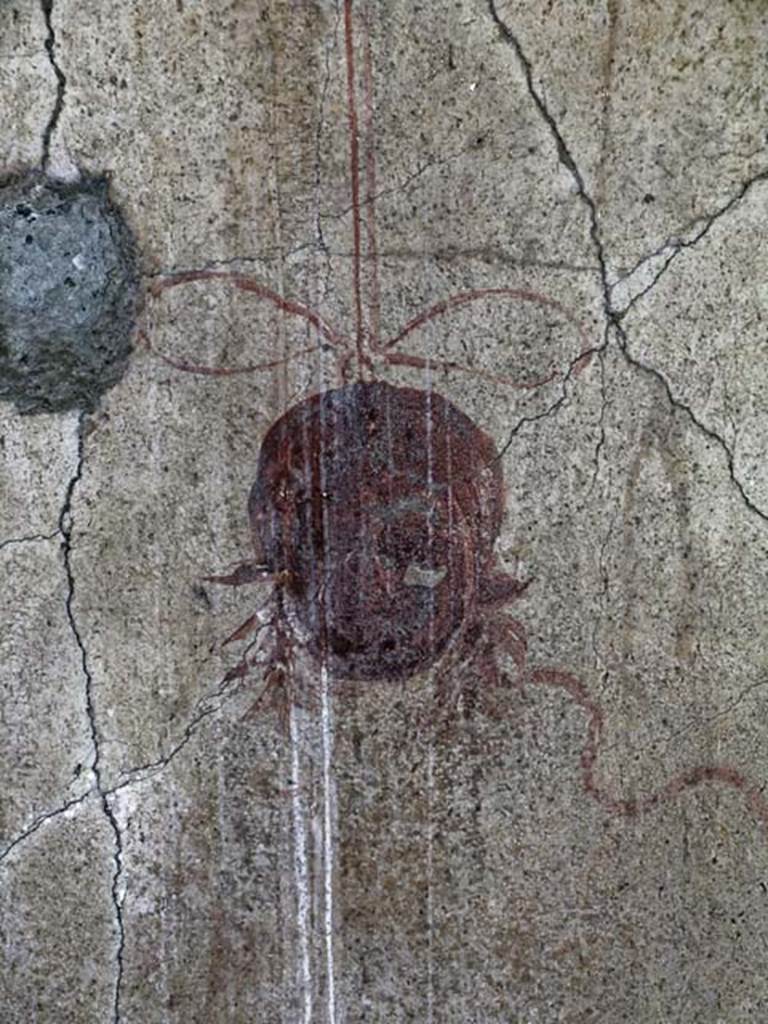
<point x="587" y="839"/>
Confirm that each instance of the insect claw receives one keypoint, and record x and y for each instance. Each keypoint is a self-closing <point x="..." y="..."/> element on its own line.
<point x="238" y="671"/>
<point x="242" y="630"/>
<point x="276" y="675"/>
<point x="500" y="589"/>
<point x="247" y="572"/>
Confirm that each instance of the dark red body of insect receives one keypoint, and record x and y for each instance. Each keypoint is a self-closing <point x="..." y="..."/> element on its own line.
<point x="378" y="508"/>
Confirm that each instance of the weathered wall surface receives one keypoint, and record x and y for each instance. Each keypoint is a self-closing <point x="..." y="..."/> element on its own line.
<point x="560" y="815"/>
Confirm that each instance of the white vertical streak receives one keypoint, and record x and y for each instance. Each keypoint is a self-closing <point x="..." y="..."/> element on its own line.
<point x="300" y="871"/>
<point x="221" y="802"/>
<point x="431" y="752"/>
<point x="328" y="816"/>
<point x="430" y="887"/>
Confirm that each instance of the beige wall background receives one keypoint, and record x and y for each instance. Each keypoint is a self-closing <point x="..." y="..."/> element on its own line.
<point x="593" y="847"/>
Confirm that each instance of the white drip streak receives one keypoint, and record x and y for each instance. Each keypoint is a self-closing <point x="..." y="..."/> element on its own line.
<point x="327" y="725"/>
<point x="301" y="871"/>
<point x="431" y="757"/>
<point x="430" y="887"/>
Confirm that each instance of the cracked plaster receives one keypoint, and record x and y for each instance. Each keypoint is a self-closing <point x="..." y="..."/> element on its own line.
<point x="55" y="910"/>
<point x="46" y="748"/>
<point x="474" y="879"/>
<point x="662" y="106"/>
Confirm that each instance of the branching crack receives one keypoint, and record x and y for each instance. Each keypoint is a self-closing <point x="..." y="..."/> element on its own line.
<point x="563" y="153"/>
<point x="708" y="432"/>
<point x="207" y="706"/>
<point x="65" y="529"/>
<point x="678" y="245"/>
<point x="577" y="364"/>
<point x="61" y="83"/>
<point x="614" y="316"/>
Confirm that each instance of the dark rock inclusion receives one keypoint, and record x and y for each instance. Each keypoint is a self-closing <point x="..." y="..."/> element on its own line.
<point x="68" y="287"/>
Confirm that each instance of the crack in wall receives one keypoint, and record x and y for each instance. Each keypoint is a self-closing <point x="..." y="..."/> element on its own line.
<point x="676" y="245"/>
<point x="659" y="742"/>
<point x="676" y="403"/>
<point x="603" y="594"/>
<point x="213" y="702"/>
<point x="34" y="538"/>
<point x="601" y="420"/>
<point x="65" y="529"/>
<point x="151" y="768"/>
<point x="576" y="364"/>
<point x="697" y="724"/>
<point x="564" y="154"/>
<point x="404" y="186"/>
<point x="66" y="525"/>
<point x="614" y="316"/>
<point x="41" y="820"/>
<point x="567" y="160"/>
<point x="61" y="84"/>
<point x="487" y="254"/>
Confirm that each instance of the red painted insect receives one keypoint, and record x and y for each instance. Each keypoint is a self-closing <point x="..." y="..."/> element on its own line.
<point x="376" y="508"/>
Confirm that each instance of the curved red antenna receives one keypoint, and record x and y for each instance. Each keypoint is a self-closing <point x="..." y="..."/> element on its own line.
<point x="366" y="335"/>
<point x="245" y="283"/>
<point x="370" y="333"/>
<point x="464" y="298"/>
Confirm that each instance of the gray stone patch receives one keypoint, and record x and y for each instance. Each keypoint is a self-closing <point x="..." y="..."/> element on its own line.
<point x="68" y="288"/>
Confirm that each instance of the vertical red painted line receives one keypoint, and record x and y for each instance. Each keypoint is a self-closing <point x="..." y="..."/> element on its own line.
<point x="354" y="170"/>
<point x="370" y="186"/>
